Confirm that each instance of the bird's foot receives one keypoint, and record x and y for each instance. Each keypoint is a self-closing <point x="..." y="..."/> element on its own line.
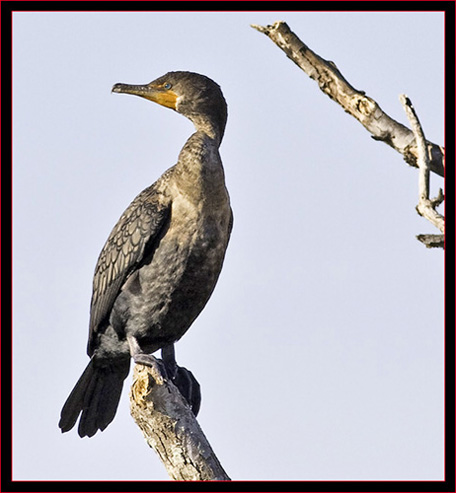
<point x="182" y="378"/>
<point x="141" y="358"/>
<point x="158" y="368"/>
<point x="188" y="387"/>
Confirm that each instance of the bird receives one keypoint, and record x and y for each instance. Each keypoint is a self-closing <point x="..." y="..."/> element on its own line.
<point x="161" y="262"/>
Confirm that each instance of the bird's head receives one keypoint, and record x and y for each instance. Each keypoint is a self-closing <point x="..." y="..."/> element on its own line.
<point x="193" y="95"/>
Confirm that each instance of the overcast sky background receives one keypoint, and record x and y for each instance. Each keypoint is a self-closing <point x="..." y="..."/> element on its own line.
<point x="320" y="353"/>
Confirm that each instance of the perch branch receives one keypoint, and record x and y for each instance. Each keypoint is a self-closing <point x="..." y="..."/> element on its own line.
<point x="171" y="429"/>
<point x="432" y="241"/>
<point x="426" y="206"/>
<point x="356" y="103"/>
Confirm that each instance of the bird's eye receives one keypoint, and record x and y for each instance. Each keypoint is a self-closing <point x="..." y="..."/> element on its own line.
<point x="167" y="86"/>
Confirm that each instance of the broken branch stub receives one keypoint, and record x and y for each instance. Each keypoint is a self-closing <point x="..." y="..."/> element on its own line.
<point x="171" y="429"/>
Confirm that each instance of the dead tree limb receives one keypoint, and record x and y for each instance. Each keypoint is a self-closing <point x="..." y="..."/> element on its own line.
<point x="426" y="206"/>
<point x="356" y="103"/>
<point x="171" y="429"/>
<point x="432" y="241"/>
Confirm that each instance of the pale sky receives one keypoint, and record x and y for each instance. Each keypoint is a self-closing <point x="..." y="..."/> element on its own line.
<point x="320" y="353"/>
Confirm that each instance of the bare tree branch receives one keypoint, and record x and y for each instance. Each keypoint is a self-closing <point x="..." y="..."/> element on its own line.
<point x="171" y="429"/>
<point x="426" y="206"/>
<point x="432" y="241"/>
<point x="356" y="103"/>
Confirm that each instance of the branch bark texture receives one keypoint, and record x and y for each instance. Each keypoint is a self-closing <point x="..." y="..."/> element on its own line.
<point x="171" y="429"/>
<point x="426" y="206"/>
<point x="432" y="241"/>
<point x="330" y="80"/>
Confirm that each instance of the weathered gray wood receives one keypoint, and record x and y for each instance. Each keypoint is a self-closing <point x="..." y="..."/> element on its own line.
<point x="426" y="206"/>
<point x="355" y="102"/>
<point x="432" y="241"/>
<point x="171" y="429"/>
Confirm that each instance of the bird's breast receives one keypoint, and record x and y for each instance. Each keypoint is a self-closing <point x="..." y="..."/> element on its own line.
<point x="201" y="227"/>
<point x="180" y="277"/>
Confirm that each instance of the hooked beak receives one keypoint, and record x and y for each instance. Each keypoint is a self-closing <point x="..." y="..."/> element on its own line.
<point x="154" y="93"/>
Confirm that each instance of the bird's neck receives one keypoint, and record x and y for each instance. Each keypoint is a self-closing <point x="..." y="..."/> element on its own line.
<point x="199" y="169"/>
<point x="206" y="126"/>
<point x="200" y="151"/>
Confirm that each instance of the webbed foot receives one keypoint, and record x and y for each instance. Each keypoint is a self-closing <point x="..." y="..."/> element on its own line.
<point x="189" y="388"/>
<point x="183" y="379"/>
<point x="158" y="367"/>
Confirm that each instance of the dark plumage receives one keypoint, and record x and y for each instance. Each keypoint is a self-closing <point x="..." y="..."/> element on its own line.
<point x="161" y="261"/>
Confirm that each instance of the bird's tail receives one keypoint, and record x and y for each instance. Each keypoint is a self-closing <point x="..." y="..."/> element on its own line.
<point x="96" y="395"/>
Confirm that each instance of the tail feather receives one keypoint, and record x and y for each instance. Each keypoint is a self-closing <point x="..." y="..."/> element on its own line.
<point x="88" y="424"/>
<point x="74" y="403"/>
<point x="108" y="405"/>
<point x="96" y="395"/>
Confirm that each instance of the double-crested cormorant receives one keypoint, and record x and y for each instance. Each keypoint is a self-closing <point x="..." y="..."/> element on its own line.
<point x="161" y="261"/>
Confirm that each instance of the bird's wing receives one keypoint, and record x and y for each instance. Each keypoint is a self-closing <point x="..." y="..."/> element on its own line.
<point x="132" y="238"/>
